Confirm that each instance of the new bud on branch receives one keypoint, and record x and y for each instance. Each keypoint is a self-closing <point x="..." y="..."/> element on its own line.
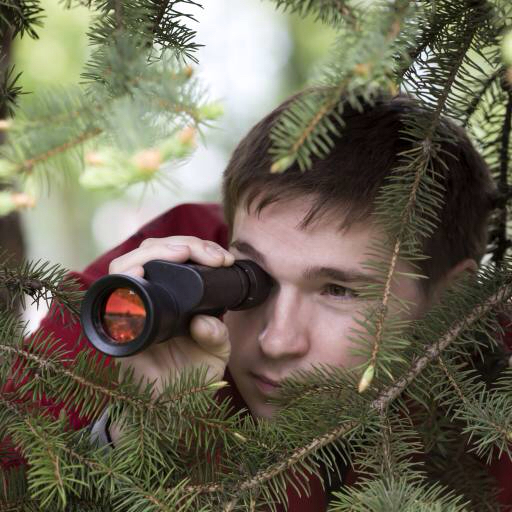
<point x="111" y="168"/>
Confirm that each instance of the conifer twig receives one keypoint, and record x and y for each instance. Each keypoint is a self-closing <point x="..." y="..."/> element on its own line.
<point x="48" y="364"/>
<point x="475" y="102"/>
<point x="423" y="159"/>
<point x="29" y="163"/>
<point x="97" y="465"/>
<point x="385" y="398"/>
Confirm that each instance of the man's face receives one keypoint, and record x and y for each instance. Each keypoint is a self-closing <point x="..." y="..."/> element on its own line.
<point x="310" y="312"/>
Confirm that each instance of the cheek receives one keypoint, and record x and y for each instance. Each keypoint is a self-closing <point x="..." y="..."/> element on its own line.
<point x="331" y="341"/>
<point x="328" y="331"/>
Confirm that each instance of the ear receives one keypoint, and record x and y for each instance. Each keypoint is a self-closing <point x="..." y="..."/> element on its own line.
<point x="460" y="269"/>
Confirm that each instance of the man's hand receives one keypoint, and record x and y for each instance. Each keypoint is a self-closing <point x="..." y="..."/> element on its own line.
<point x="208" y="344"/>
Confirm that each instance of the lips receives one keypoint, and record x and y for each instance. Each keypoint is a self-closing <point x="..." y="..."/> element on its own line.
<point x="266" y="385"/>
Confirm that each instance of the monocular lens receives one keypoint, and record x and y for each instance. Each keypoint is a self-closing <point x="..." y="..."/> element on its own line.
<point x="123" y="315"/>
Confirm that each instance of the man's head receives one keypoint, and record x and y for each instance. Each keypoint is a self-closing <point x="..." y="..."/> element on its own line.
<point x="314" y="231"/>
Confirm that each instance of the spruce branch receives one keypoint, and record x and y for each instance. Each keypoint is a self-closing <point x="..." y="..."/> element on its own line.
<point x="74" y="105"/>
<point x="381" y="402"/>
<point x="28" y="164"/>
<point x="10" y="90"/>
<point x="419" y="161"/>
<point x="398" y="493"/>
<point x="296" y="457"/>
<point x="20" y="17"/>
<point x="186" y="403"/>
<point x="484" y="412"/>
<point x="108" y="476"/>
<point x="65" y="382"/>
<point x="42" y="282"/>
<point x="154" y="111"/>
<point x="434" y="351"/>
<point x="331" y="12"/>
<point x="475" y="101"/>
<point x="311" y="122"/>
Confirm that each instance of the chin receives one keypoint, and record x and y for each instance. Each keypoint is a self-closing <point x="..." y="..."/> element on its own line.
<point x="263" y="411"/>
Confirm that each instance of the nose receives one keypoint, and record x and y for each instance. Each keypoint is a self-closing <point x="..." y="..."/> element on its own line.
<point x="284" y="334"/>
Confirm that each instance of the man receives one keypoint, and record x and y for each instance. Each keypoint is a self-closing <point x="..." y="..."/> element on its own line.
<point x="311" y="232"/>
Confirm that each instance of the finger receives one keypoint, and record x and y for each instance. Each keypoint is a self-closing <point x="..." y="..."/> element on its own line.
<point x="205" y="252"/>
<point x="138" y="257"/>
<point x="211" y="334"/>
<point x="135" y="271"/>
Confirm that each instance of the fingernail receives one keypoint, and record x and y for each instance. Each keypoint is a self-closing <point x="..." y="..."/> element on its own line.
<point x="212" y="325"/>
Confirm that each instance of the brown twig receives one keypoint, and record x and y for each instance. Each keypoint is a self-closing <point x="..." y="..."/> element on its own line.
<point x="422" y="168"/>
<point x="29" y="164"/>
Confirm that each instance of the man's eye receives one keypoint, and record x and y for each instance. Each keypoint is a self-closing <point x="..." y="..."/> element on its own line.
<point x="336" y="290"/>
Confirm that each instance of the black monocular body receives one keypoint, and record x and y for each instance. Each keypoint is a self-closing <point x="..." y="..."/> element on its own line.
<point x="122" y="315"/>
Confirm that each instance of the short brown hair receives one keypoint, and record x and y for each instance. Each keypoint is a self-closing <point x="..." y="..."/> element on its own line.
<point x="357" y="166"/>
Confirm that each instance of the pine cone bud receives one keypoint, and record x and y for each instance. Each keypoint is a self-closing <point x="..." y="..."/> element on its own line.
<point x="366" y="379"/>
<point x="5" y="124"/>
<point x="148" y="160"/>
<point x="240" y="437"/>
<point x="179" y="145"/>
<point x="23" y="200"/>
<point x="111" y="168"/>
<point x="94" y="158"/>
<point x="362" y="69"/>
<point x="187" y="136"/>
<point x="506" y="48"/>
<point x="282" y="164"/>
<point x="217" y="385"/>
<point x="211" y="111"/>
<point x="106" y="168"/>
<point x="11" y="201"/>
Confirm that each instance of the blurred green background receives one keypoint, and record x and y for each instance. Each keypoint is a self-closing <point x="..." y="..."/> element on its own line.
<point x="253" y="58"/>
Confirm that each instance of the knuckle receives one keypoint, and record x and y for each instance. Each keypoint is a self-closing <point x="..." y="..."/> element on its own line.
<point x="146" y="242"/>
<point x="181" y="239"/>
<point x="112" y="268"/>
<point x="189" y="238"/>
<point x="212" y="247"/>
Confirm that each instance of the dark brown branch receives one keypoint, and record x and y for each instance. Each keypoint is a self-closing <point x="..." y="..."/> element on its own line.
<point x="160" y="15"/>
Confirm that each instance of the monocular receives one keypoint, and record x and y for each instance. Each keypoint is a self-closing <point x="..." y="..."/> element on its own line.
<point x="122" y="315"/>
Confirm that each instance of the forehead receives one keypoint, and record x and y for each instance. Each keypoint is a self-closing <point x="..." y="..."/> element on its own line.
<point x="277" y="230"/>
<point x="320" y="251"/>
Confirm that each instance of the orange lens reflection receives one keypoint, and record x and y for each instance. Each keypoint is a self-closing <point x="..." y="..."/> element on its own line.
<point x="123" y="316"/>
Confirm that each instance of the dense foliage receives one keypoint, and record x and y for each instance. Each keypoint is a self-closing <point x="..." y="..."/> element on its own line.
<point x="440" y="386"/>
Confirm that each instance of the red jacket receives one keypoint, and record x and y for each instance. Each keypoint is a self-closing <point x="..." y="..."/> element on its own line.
<point x="204" y="221"/>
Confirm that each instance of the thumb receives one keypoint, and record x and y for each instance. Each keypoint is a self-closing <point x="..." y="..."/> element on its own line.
<point x="212" y="335"/>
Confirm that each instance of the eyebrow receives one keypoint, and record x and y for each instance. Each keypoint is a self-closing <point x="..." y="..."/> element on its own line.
<point x="311" y="273"/>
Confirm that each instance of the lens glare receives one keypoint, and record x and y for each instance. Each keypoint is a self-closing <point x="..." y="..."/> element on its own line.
<point x="123" y="316"/>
